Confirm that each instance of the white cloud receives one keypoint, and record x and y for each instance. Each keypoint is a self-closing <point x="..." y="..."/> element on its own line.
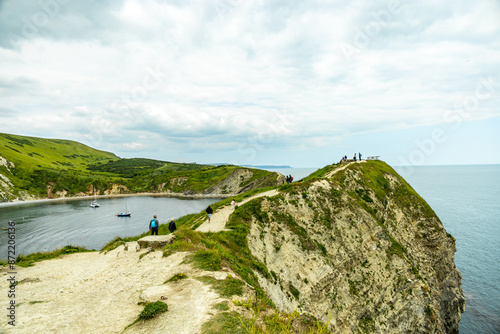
<point x="196" y="74"/>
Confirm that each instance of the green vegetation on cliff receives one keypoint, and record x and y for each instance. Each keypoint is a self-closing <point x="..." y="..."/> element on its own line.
<point x="47" y="167"/>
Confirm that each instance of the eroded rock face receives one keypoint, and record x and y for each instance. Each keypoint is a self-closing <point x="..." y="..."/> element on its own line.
<point x="116" y="189"/>
<point x="363" y="249"/>
<point x="6" y="187"/>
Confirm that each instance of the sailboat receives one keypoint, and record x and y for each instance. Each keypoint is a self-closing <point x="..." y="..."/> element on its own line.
<point x="126" y="213"/>
<point x="94" y="203"/>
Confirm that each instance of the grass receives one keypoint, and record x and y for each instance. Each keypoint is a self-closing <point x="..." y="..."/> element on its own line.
<point x="32" y="152"/>
<point x="277" y="322"/>
<point x="150" y="311"/>
<point x="222" y="306"/>
<point x="226" y="288"/>
<point x="176" y="277"/>
<point x="36" y="302"/>
<point x="396" y="248"/>
<point x="29" y="260"/>
<point x="224" y="322"/>
<point x="321" y="173"/>
<point x="207" y="260"/>
<point x="294" y="291"/>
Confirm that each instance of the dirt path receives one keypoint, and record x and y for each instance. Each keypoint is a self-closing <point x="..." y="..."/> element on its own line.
<point x="330" y="174"/>
<point x="221" y="216"/>
<point x="99" y="293"/>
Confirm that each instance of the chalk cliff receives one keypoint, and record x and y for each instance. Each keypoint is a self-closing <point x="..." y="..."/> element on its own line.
<point x="359" y="247"/>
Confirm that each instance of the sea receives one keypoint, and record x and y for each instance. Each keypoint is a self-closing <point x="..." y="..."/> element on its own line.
<point x="466" y="199"/>
<point x="49" y="225"/>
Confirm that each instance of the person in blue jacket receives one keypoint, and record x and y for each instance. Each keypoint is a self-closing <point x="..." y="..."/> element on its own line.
<point x="154" y="225"/>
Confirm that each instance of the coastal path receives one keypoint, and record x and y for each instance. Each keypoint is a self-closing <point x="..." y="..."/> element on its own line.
<point x="221" y="216"/>
<point x="330" y="174"/>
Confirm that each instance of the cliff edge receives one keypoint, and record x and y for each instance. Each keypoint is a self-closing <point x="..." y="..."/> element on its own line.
<point x="359" y="247"/>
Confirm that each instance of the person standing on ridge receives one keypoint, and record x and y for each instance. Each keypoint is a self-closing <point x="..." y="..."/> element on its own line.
<point x="171" y="226"/>
<point x="209" y="211"/>
<point x="154" y="225"/>
<point x="359" y="154"/>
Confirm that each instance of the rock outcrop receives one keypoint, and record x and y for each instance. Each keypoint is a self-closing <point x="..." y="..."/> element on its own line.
<point x="7" y="189"/>
<point x="362" y="249"/>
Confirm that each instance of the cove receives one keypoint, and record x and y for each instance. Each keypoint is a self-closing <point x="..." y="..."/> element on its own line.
<point x="45" y="226"/>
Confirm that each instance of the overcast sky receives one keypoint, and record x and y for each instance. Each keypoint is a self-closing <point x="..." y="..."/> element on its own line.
<point x="298" y="83"/>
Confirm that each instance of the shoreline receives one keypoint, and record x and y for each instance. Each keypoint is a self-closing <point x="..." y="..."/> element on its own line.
<point x="90" y="197"/>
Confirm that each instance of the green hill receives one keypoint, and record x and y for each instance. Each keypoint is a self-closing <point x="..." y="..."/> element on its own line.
<point x="33" y="167"/>
<point x="33" y="153"/>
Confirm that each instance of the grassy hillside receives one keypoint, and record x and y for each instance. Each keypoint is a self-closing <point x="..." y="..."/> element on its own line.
<point x="32" y="153"/>
<point x="50" y="167"/>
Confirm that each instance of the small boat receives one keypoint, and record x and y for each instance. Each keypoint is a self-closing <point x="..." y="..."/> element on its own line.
<point x="94" y="203"/>
<point x="126" y="213"/>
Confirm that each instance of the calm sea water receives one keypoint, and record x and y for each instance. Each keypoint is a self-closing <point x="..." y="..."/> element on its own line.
<point x="47" y="225"/>
<point x="467" y="200"/>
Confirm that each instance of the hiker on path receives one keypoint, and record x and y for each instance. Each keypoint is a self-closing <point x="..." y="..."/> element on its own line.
<point x="154" y="225"/>
<point x="232" y="204"/>
<point x="171" y="226"/>
<point x="354" y="157"/>
<point x="209" y="211"/>
<point x="359" y="156"/>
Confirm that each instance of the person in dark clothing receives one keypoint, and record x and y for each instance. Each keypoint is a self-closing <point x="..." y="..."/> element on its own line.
<point x="171" y="226"/>
<point x="154" y="225"/>
<point x="359" y="154"/>
<point x="209" y="211"/>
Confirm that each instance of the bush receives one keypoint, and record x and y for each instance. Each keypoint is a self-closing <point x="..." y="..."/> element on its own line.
<point x="152" y="309"/>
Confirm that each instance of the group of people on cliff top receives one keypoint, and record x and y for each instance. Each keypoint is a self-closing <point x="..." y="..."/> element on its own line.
<point x="154" y="225"/>
<point x="289" y="179"/>
<point x="344" y="158"/>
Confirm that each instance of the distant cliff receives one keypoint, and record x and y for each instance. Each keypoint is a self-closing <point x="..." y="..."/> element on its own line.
<point x="361" y="247"/>
<point x="36" y="168"/>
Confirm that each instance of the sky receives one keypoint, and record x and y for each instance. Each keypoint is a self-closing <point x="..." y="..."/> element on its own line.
<point x="299" y="83"/>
